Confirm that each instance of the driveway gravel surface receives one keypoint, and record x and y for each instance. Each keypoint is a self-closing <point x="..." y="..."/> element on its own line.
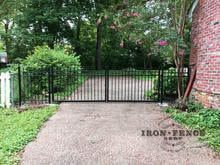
<point x="111" y="134"/>
<point x="120" y="88"/>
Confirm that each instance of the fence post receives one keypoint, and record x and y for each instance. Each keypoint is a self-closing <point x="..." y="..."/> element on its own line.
<point x="161" y="85"/>
<point x="12" y="88"/>
<point x="52" y="85"/>
<point x="19" y="85"/>
<point x="49" y="85"/>
<point x="5" y="90"/>
<point x="106" y="84"/>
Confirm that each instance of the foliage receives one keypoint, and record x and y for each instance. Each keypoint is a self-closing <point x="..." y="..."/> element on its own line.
<point x="205" y="119"/>
<point x="76" y="23"/>
<point x="1" y="45"/>
<point x="8" y="11"/>
<point x="17" y="129"/>
<point x="153" y="93"/>
<point x="194" y="107"/>
<point x="46" y="61"/>
<point x="51" y="22"/>
<point x="44" y="58"/>
<point x="159" y="24"/>
<point x="45" y="21"/>
<point x="70" y="87"/>
<point x="169" y="81"/>
<point x="146" y="24"/>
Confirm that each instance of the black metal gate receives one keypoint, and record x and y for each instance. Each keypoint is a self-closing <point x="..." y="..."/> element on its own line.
<point x="66" y="85"/>
<point x="108" y="86"/>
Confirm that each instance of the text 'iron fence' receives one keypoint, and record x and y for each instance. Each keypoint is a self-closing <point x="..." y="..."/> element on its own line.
<point x="66" y="85"/>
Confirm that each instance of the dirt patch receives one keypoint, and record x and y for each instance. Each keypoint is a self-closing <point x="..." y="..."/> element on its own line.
<point x="31" y="107"/>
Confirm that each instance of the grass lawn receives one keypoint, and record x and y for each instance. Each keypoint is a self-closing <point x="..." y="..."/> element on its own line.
<point x="200" y="118"/>
<point x="17" y="129"/>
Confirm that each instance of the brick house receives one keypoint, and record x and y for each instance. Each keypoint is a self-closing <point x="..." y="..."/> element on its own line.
<point x="205" y="51"/>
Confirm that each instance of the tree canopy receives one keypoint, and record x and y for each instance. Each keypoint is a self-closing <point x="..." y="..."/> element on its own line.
<point x="113" y="33"/>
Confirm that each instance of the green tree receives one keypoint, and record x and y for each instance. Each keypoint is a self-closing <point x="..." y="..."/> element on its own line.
<point x="100" y="8"/>
<point x="50" y="22"/>
<point x="8" y="9"/>
<point x="46" y="21"/>
<point x="163" y="23"/>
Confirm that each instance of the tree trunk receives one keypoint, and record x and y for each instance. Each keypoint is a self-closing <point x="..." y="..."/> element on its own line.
<point x="180" y="82"/>
<point x="98" y="47"/>
<point x="7" y="44"/>
<point x="180" y="75"/>
<point x="179" y="25"/>
<point x="78" y="30"/>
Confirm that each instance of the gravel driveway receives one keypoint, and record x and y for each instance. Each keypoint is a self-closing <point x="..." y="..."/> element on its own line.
<point x="107" y="133"/>
<point x="120" y="88"/>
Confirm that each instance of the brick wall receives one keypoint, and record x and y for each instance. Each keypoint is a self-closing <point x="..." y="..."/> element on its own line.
<point x="205" y="52"/>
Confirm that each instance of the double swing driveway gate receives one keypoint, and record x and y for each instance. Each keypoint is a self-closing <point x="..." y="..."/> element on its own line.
<point x="66" y="85"/>
<point x="111" y="86"/>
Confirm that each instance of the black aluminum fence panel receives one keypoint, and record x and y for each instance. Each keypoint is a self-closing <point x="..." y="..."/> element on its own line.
<point x="34" y="87"/>
<point x="66" y="85"/>
<point x="168" y="83"/>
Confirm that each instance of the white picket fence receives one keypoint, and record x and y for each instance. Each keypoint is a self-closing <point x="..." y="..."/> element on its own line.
<point x="6" y="93"/>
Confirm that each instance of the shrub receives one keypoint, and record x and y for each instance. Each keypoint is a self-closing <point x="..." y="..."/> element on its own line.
<point x="153" y="93"/>
<point x="194" y="106"/>
<point x="170" y="82"/>
<point x="38" y="65"/>
<point x="44" y="58"/>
